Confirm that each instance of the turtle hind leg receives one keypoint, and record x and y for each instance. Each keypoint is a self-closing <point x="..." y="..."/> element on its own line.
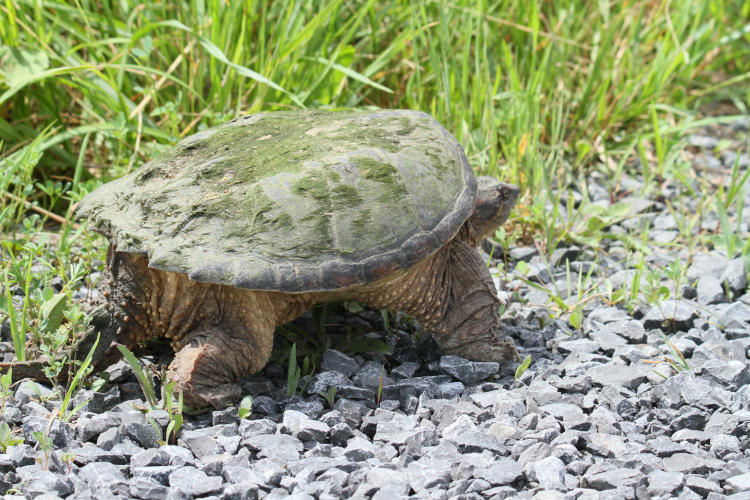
<point x="452" y="294"/>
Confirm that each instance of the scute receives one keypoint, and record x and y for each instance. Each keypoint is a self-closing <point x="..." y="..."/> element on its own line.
<point x="293" y="201"/>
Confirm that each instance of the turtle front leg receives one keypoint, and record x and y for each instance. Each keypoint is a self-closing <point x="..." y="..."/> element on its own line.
<point x="470" y="324"/>
<point x="232" y="339"/>
<point x="213" y="359"/>
<point x="452" y="294"/>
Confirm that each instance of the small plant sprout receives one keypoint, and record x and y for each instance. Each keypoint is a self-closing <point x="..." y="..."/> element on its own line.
<point x="293" y="372"/>
<point x="380" y="386"/>
<point x="5" y="382"/>
<point x="81" y="373"/>
<point x="68" y="458"/>
<point x="6" y="438"/>
<point x="576" y="317"/>
<point x="522" y="367"/>
<point x="167" y="403"/>
<point x="17" y="330"/>
<point x="175" y="413"/>
<point x="676" y="272"/>
<point x="45" y="444"/>
<point x="146" y="382"/>
<point x="386" y="321"/>
<point x="246" y="407"/>
<point x="676" y="360"/>
<point x="329" y="396"/>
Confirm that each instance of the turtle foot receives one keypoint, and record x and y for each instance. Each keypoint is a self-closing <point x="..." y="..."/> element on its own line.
<point x="500" y="351"/>
<point x="219" y="396"/>
<point x="205" y="370"/>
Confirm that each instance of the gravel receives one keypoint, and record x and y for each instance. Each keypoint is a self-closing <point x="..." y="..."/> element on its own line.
<point x="588" y="419"/>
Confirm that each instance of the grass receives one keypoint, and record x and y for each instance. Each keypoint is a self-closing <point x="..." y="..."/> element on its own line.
<point x="540" y="93"/>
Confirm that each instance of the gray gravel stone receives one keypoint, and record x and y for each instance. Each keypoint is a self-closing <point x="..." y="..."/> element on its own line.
<point x="738" y="484"/>
<point x="226" y="416"/>
<point x="723" y="444"/>
<point x="240" y="491"/>
<point x="371" y="376"/>
<point x="501" y="402"/>
<point x="684" y="462"/>
<point x="550" y="473"/>
<point x="157" y="473"/>
<point x="731" y="373"/>
<point x="165" y="455"/>
<point x="235" y="474"/>
<point x="705" y="264"/>
<point x="146" y="488"/>
<point x="607" y="341"/>
<point x="109" y="438"/>
<point x="280" y="448"/>
<point x="249" y="428"/>
<point x="322" y="381"/>
<point x="88" y="428"/>
<point x="701" y="485"/>
<point x="200" y="442"/>
<point x="702" y="141"/>
<point x="468" y="372"/>
<point x="393" y="483"/>
<point x="100" y="471"/>
<point x="629" y="376"/>
<point x="339" y="362"/>
<point x="724" y="423"/>
<point x="142" y="433"/>
<point x="303" y="427"/>
<point x="570" y="414"/>
<point x="476" y="442"/>
<point x="664" y="483"/>
<point x="735" y="276"/>
<point x="710" y="290"/>
<point x="28" y="390"/>
<point x="503" y="471"/>
<point x="427" y="473"/>
<point x="577" y="345"/>
<point x="614" y="478"/>
<point x="670" y="315"/>
<point x="48" y="483"/>
<point x="194" y="482"/>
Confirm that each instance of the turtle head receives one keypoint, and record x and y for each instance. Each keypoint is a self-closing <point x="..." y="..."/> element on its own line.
<point x="494" y="202"/>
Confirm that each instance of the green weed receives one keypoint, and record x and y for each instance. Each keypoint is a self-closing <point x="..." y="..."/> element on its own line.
<point x="522" y="367"/>
<point x="5" y="391"/>
<point x="329" y="396"/>
<point x="246" y="407"/>
<point x="6" y="438"/>
<point x="45" y="444"/>
<point x="166" y="402"/>
<point x="80" y="375"/>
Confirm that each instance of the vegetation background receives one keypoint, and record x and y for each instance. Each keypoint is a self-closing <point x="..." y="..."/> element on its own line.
<point x="540" y="93"/>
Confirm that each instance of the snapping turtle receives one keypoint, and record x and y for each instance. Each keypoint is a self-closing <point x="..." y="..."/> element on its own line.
<point x="243" y="227"/>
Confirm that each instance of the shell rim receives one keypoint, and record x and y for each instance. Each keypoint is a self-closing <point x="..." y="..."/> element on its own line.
<point x="336" y="274"/>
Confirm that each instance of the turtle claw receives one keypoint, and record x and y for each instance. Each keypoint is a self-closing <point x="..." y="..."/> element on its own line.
<point x="219" y="396"/>
<point x="499" y="351"/>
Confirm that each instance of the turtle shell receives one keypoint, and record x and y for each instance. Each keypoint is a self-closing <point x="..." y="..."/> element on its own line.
<point x="293" y="201"/>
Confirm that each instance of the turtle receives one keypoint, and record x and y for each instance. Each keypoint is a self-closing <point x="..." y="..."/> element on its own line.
<point x="243" y="227"/>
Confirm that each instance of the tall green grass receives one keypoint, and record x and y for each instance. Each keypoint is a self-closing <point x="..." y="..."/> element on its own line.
<point x="532" y="89"/>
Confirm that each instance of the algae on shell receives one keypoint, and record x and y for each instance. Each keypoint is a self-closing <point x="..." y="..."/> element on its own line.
<point x="268" y="201"/>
